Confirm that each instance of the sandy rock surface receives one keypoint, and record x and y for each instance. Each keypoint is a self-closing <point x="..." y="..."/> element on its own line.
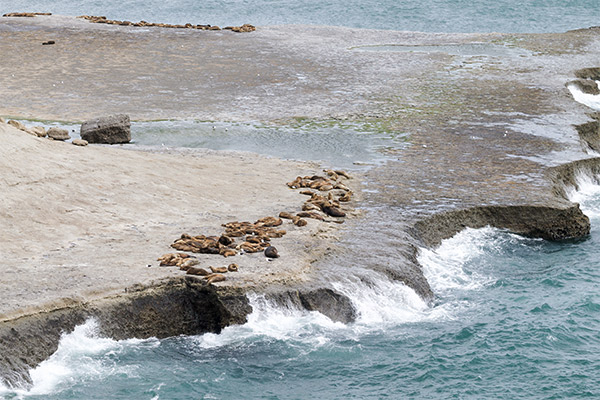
<point x="78" y="223"/>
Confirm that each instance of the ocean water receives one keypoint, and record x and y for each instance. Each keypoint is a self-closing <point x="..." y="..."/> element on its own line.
<point x="407" y="15"/>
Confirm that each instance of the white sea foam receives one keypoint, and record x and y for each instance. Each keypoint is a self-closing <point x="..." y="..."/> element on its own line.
<point x="446" y="267"/>
<point x="587" y="195"/>
<point x="590" y="100"/>
<point x="274" y="321"/>
<point x="81" y="355"/>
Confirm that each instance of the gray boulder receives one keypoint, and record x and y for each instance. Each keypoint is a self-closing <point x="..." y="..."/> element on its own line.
<point x="110" y="130"/>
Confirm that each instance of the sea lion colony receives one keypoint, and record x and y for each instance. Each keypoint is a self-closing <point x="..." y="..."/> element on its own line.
<point x="256" y="237"/>
<point x="104" y="20"/>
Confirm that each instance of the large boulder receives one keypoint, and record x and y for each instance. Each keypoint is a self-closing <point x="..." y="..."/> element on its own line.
<point x="110" y="130"/>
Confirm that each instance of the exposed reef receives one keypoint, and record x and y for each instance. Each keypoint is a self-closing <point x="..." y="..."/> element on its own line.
<point x="550" y="223"/>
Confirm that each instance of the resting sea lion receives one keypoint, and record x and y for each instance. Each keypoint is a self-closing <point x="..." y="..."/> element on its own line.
<point x="232" y="267"/>
<point x="271" y="252"/>
<point x="197" y="271"/>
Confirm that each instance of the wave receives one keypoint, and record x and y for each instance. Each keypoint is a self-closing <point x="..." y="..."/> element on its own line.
<point x="81" y="355"/>
<point x="590" y="100"/>
<point x="587" y="194"/>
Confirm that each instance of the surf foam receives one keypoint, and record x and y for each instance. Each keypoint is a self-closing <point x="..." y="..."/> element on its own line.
<point x="587" y="194"/>
<point x="81" y="355"/>
<point x="590" y="100"/>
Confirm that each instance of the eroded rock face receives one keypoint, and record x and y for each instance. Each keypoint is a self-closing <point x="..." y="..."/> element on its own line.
<point x="179" y="306"/>
<point x="333" y="305"/>
<point x="546" y="222"/>
<point x="113" y="129"/>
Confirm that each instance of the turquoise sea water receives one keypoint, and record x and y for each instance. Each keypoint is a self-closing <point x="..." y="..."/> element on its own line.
<point x="411" y="15"/>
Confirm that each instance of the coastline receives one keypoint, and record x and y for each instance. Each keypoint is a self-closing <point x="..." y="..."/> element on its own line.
<point x="339" y="84"/>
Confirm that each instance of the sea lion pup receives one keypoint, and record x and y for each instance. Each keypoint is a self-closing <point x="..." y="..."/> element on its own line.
<point x="307" y="192"/>
<point x="271" y="252"/>
<point x="218" y="270"/>
<point x="213" y="278"/>
<point x="232" y="267"/>
<point x="286" y="215"/>
<point x="197" y="271"/>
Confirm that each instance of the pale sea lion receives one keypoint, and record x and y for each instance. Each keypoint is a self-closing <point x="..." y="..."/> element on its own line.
<point x="218" y="270"/>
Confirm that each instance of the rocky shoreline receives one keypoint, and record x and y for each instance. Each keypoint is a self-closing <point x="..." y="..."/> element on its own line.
<point x="473" y="161"/>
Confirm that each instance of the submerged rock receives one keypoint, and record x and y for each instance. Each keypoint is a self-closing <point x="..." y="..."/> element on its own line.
<point x="113" y="129"/>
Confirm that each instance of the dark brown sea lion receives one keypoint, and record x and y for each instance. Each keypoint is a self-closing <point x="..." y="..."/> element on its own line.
<point x="271" y="252"/>
<point x="333" y="211"/>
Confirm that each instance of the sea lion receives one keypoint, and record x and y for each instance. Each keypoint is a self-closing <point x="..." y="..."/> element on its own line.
<point x="218" y="270"/>
<point x="310" y="207"/>
<point x="225" y="240"/>
<point x="197" y="271"/>
<point x="227" y="252"/>
<point x="213" y="278"/>
<point x="271" y="252"/>
<point x="342" y="173"/>
<point x="286" y="215"/>
<point x="269" y="222"/>
<point x="345" y="197"/>
<point x="333" y="211"/>
<point x="331" y="174"/>
<point x="341" y="186"/>
<point x="307" y="192"/>
<point x="187" y="263"/>
<point x="232" y="267"/>
<point x="300" y="222"/>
